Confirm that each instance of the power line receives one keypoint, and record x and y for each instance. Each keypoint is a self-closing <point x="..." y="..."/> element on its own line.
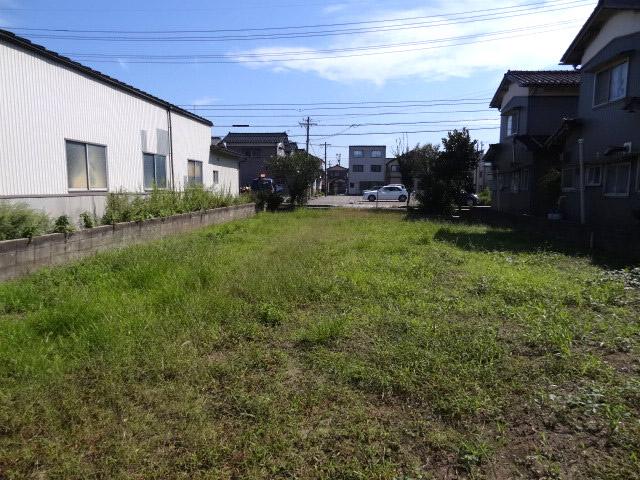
<point x="380" y="102"/>
<point x="358" y="125"/>
<point x="357" y="107"/>
<point x="127" y="56"/>
<point x="395" y="133"/>
<point x="525" y="6"/>
<point x="271" y="60"/>
<point x="345" y="115"/>
<point x="310" y="34"/>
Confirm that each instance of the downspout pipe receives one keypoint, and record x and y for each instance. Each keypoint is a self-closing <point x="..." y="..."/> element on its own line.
<point x="581" y="163"/>
<point x="170" y="131"/>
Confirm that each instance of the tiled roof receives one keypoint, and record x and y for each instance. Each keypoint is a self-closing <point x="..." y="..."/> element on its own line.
<point x="602" y="12"/>
<point x="256" y="138"/>
<point x="13" y="39"/>
<point x="544" y="78"/>
<point x="535" y="78"/>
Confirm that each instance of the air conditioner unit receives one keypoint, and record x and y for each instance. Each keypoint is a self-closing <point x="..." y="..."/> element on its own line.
<point x="628" y="147"/>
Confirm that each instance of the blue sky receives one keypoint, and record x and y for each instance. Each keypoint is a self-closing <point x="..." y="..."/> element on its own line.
<point x="449" y="50"/>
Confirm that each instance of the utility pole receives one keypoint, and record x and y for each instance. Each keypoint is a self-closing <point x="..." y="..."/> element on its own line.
<point x="326" y="182"/>
<point x="307" y="124"/>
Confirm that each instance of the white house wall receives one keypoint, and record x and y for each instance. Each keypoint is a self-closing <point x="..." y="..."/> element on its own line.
<point x="619" y="25"/>
<point x="43" y="103"/>
<point x="228" y="174"/>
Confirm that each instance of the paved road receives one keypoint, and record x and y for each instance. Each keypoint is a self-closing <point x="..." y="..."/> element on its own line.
<point x="346" y="201"/>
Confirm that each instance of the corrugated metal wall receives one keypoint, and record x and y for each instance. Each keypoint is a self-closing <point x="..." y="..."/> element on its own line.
<point x="43" y="103"/>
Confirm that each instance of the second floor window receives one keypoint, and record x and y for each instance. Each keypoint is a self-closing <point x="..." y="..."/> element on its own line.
<point x="86" y="166"/>
<point x="611" y="84"/>
<point x="395" y="168"/>
<point x="155" y="171"/>
<point x="617" y="179"/>
<point x="194" y="173"/>
<point x="376" y="168"/>
<point x="376" y="153"/>
<point x="512" y="124"/>
<point x="358" y="168"/>
<point x="358" y="154"/>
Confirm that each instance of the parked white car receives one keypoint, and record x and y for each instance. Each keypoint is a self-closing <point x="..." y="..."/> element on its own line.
<point x="388" y="192"/>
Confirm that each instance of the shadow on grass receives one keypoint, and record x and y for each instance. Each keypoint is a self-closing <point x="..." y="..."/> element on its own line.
<point x="524" y="242"/>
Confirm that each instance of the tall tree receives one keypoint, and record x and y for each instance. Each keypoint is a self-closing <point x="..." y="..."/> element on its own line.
<point x="298" y="170"/>
<point x="413" y="163"/>
<point x="449" y="173"/>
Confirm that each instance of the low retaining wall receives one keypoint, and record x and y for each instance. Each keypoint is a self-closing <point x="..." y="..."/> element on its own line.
<point x="623" y="244"/>
<point x="23" y="256"/>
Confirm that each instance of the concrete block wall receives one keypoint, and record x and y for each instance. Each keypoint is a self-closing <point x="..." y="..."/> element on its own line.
<point x="24" y="256"/>
<point x="622" y="243"/>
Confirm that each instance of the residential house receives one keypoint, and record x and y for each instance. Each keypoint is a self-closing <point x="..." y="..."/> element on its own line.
<point x="225" y="165"/>
<point x="70" y="134"/>
<point x="605" y="133"/>
<point x="392" y="171"/>
<point x="366" y="167"/>
<point x="483" y="176"/>
<point x="337" y="179"/>
<point x="256" y="149"/>
<point x="532" y="106"/>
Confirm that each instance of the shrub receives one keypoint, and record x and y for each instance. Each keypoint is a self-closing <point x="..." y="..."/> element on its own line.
<point x="117" y="209"/>
<point x="63" y="225"/>
<point x="21" y="221"/>
<point x="164" y="203"/>
<point x="485" y="196"/>
<point x="88" y="220"/>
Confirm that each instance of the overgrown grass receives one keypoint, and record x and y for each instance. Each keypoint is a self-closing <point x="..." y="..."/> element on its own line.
<point x="122" y="207"/>
<point x="339" y="344"/>
<point x="20" y="221"/>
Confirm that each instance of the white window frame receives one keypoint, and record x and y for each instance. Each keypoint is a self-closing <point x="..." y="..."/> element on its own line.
<point x="588" y="168"/>
<point x="511" y="119"/>
<point x="610" y="69"/>
<point x="215" y="176"/>
<point x="604" y="181"/>
<point x="189" y="181"/>
<point x="166" y="179"/>
<point x="86" y="159"/>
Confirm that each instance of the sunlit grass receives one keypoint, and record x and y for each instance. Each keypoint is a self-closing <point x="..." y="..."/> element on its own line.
<point x="337" y="344"/>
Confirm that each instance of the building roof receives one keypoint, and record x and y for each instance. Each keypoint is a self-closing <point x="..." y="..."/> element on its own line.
<point x="602" y="12"/>
<point x="535" y="78"/>
<point x="13" y="39"/>
<point x="256" y="138"/>
<point x="337" y="167"/>
<point x="219" y="147"/>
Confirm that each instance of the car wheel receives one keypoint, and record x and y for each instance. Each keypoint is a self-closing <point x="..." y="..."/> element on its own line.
<point x="402" y="198"/>
<point x="372" y="198"/>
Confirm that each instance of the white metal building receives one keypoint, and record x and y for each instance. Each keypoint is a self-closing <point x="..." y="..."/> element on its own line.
<point x="70" y="134"/>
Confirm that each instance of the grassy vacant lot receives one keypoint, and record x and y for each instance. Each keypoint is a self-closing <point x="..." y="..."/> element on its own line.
<point x="341" y="345"/>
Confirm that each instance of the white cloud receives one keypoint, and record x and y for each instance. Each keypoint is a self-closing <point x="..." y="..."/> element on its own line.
<point x="525" y="49"/>
<point x="334" y="8"/>
<point x="206" y="100"/>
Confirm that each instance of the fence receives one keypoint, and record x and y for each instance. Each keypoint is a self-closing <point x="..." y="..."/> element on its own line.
<point x="24" y="256"/>
<point x="621" y="243"/>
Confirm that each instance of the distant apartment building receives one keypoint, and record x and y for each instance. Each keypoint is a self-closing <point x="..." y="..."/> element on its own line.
<point x="367" y="167"/>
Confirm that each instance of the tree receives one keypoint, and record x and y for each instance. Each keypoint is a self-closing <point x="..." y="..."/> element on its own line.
<point x="413" y="163"/>
<point x="448" y="173"/>
<point x="298" y="170"/>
